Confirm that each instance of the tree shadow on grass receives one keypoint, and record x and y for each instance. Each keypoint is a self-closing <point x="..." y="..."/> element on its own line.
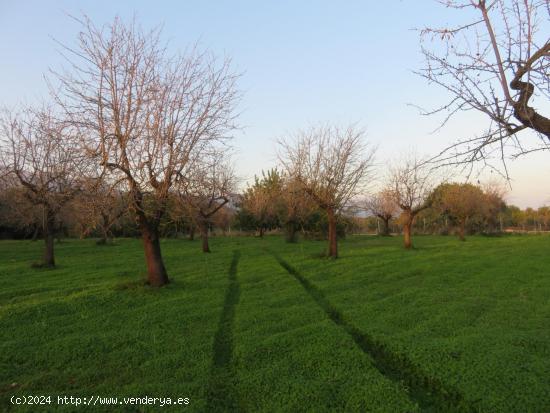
<point x="429" y="393"/>
<point x="40" y="266"/>
<point x="222" y="391"/>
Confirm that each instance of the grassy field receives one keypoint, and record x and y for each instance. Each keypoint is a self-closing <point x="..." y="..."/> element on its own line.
<point x="261" y="325"/>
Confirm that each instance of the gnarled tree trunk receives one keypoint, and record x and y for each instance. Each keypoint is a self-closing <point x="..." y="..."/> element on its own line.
<point x="332" y="236"/>
<point x="526" y="114"/>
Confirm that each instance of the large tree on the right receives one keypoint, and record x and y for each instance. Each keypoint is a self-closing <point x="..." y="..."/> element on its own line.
<point x="496" y="62"/>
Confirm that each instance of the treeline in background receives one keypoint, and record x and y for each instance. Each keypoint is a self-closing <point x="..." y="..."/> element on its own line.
<point x="276" y="204"/>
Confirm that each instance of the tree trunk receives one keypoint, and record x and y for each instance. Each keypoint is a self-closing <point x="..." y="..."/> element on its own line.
<point x="104" y="237"/>
<point x="407" y="228"/>
<point x="204" y="236"/>
<point x="192" y="233"/>
<point x="35" y="233"/>
<point x="332" y="238"/>
<point x="261" y="231"/>
<point x="48" y="259"/>
<point x="156" y="273"/>
<point x="104" y="231"/>
<point x="386" y="226"/>
<point x="291" y="231"/>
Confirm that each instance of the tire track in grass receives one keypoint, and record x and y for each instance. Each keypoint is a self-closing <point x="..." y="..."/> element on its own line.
<point x="222" y="391"/>
<point x="429" y="393"/>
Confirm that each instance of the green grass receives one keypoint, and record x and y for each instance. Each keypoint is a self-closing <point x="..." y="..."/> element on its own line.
<point x="261" y="325"/>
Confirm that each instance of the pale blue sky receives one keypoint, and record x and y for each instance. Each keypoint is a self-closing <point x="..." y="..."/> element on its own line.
<point x="303" y="62"/>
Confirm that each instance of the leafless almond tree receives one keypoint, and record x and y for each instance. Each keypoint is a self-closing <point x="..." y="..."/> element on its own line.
<point x="497" y="64"/>
<point x="412" y="182"/>
<point x="146" y="115"/>
<point x="383" y="206"/>
<point x="205" y="190"/>
<point x="332" y="166"/>
<point x="42" y="154"/>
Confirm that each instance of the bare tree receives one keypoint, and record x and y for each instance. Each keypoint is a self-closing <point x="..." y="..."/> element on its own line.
<point x="412" y="184"/>
<point x="332" y="165"/>
<point x="42" y="154"/>
<point x="383" y="206"/>
<point x="146" y="115"/>
<point x="496" y="64"/>
<point x="205" y="191"/>
<point x="100" y="206"/>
